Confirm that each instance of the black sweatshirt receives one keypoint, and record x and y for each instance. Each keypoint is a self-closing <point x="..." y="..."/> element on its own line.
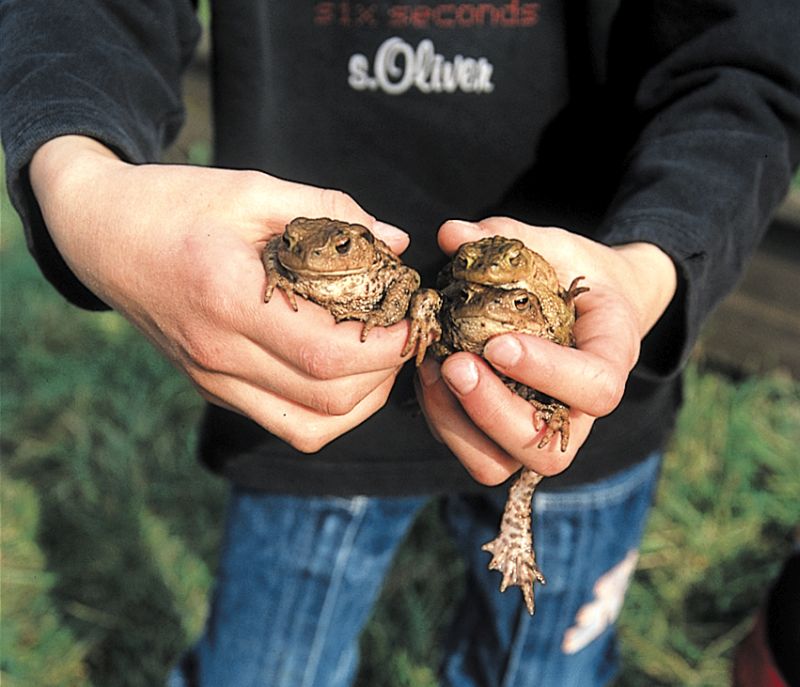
<point x="669" y="121"/>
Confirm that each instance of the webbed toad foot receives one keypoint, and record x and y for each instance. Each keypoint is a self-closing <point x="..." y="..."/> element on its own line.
<point x="423" y="311"/>
<point x="518" y="567"/>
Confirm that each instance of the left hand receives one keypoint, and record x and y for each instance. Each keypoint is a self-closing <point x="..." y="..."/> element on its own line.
<point x="489" y="428"/>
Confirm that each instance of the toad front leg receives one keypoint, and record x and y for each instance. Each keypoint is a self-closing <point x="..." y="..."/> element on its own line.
<point x="512" y="550"/>
<point x="393" y="304"/>
<point x="275" y="276"/>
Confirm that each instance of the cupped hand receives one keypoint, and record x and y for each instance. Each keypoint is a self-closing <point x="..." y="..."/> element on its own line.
<point x="489" y="428"/>
<point x="176" y="250"/>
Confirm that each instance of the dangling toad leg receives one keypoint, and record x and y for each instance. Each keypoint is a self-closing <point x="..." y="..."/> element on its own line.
<point x="512" y="550"/>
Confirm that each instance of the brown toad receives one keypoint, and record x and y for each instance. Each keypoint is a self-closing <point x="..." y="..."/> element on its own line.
<point x="508" y="263"/>
<point x="500" y="261"/>
<point x="477" y="305"/>
<point x="347" y="270"/>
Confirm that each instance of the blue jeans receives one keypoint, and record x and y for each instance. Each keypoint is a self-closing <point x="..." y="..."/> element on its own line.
<point x="298" y="578"/>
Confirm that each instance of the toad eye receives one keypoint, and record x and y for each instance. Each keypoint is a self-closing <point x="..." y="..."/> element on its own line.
<point x="515" y="259"/>
<point x="343" y="246"/>
<point x="365" y="234"/>
<point x="286" y="241"/>
<point x="462" y="262"/>
<point x="521" y="302"/>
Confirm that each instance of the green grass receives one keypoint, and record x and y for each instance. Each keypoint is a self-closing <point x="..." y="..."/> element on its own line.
<point x="109" y="527"/>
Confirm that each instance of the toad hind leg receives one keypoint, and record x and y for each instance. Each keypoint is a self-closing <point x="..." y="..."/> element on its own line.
<point x="423" y="311"/>
<point x="512" y="550"/>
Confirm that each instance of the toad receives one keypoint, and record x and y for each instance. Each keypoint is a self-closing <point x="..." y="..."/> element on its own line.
<point x="500" y="261"/>
<point x="508" y="263"/>
<point x="350" y="272"/>
<point x="494" y="286"/>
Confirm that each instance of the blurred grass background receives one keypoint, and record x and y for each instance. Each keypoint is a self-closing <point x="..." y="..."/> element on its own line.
<point x="109" y="527"/>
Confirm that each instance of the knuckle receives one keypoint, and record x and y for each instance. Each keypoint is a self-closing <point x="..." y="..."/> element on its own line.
<point x="554" y="464"/>
<point x="309" y="441"/>
<point x="320" y="359"/>
<point x="338" y="204"/>
<point x="608" y="390"/>
<point x="352" y="394"/>
<point x="251" y="184"/>
<point x="314" y="362"/>
<point x="488" y="475"/>
<point x="495" y="224"/>
<point x="339" y="402"/>
<point x="204" y="354"/>
<point x="204" y="392"/>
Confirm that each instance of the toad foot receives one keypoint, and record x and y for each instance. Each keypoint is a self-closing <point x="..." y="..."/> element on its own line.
<point x="552" y="419"/>
<point x="423" y="310"/>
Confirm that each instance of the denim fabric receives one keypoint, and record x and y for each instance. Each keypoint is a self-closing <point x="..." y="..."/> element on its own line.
<point x="298" y="578"/>
<point x="296" y="583"/>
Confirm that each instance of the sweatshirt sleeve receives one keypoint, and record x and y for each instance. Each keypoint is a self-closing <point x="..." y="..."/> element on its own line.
<point x="714" y="90"/>
<point x="108" y="69"/>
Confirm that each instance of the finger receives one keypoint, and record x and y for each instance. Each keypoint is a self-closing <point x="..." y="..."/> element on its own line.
<point x="507" y="418"/>
<point x="582" y="380"/>
<point x="392" y="236"/>
<point x="455" y="232"/>
<point x="304" y="429"/>
<point x="483" y="458"/>
<point x="277" y="202"/>
<point x="590" y="378"/>
<point x="230" y="296"/>
<point x="256" y="366"/>
<point x="280" y="201"/>
<point x="568" y="253"/>
<point x="335" y="349"/>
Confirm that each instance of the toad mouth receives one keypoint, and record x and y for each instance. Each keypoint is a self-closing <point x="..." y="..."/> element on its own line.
<point x="318" y="274"/>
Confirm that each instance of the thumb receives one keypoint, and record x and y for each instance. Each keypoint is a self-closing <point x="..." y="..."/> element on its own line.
<point x="456" y="232"/>
<point x="393" y="237"/>
<point x="286" y="200"/>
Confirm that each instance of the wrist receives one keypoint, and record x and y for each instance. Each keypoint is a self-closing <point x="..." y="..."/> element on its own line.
<point x="68" y="175"/>
<point x="654" y="278"/>
<point x="60" y="158"/>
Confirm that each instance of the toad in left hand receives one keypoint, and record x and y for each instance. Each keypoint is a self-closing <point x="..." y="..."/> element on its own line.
<point x="347" y="270"/>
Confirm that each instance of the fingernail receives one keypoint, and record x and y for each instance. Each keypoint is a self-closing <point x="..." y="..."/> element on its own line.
<point x="461" y="376"/>
<point x="388" y="231"/>
<point x="503" y="351"/>
<point x="464" y="224"/>
<point x="429" y="373"/>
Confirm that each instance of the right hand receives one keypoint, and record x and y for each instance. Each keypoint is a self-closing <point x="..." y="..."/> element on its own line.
<point x="470" y="408"/>
<point x="176" y="250"/>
